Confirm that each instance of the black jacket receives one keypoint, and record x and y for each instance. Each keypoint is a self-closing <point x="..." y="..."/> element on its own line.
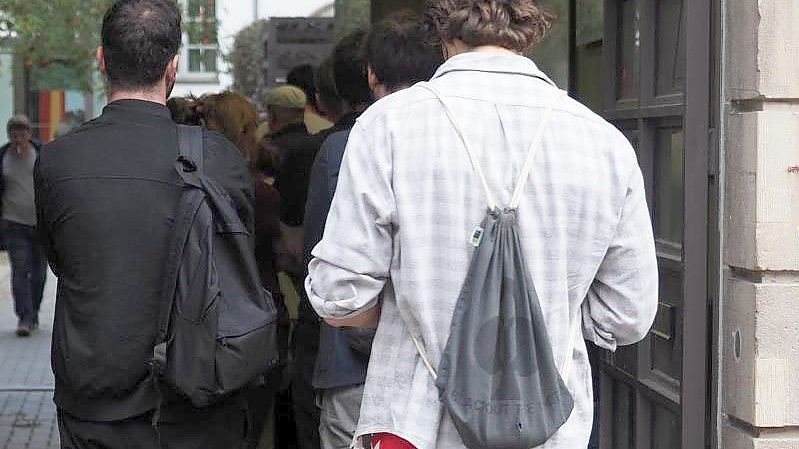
<point x="297" y="150"/>
<point x="106" y="198"/>
<point x="343" y="353"/>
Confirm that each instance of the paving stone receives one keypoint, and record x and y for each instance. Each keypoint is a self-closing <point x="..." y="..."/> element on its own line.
<point x="27" y="414"/>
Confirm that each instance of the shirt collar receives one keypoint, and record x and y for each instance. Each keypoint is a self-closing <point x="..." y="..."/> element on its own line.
<point x="138" y="106"/>
<point x="492" y="63"/>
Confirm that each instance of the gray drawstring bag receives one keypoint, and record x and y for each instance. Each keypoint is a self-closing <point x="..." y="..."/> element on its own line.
<point x="497" y="377"/>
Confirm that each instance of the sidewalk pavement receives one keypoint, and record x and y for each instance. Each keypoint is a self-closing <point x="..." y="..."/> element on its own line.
<point x="27" y="412"/>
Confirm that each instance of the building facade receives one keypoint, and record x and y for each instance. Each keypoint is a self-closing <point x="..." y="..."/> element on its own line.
<point x="707" y="92"/>
<point x="211" y="27"/>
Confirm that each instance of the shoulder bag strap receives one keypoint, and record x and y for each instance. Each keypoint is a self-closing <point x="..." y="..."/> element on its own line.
<point x="531" y="151"/>
<point x="190" y="143"/>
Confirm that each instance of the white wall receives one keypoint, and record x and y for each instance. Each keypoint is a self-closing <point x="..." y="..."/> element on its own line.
<point x="291" y="8"/>
<point x="6" y="91"/>
<point x="235" y="15"/>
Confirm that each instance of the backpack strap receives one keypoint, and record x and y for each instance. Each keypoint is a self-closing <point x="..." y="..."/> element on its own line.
<point x="531" y="152"/>
<point x="188" y="165"/>
<point x="190" y="144"/>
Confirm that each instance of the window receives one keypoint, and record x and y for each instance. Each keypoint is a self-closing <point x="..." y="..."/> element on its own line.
<point x="201" y="47"/>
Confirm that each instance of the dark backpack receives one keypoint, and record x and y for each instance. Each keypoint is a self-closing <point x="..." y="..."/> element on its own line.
<point x="497" y="376"/>
<point x="217" y="331"/>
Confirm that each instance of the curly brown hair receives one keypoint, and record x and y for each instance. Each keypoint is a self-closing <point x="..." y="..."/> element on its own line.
<point x="513" y="24"/>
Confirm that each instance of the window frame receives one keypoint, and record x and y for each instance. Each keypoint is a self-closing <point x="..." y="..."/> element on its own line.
<point x="185" y="74"/>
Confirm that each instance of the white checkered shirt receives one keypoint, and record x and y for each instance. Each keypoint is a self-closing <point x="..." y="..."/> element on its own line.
<point x="408" y="202"/>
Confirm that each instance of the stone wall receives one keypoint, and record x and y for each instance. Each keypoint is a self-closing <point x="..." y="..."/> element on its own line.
<point x="760" y="340"/>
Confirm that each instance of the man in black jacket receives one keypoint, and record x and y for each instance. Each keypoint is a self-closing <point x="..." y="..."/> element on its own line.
<point x="106" y="196"/>
<point x="28" y="262"/>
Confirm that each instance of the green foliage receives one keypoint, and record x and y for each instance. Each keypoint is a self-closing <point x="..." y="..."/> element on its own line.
<point x="352" y="15"/>
<point x="56" y="39"/>
<point x="248" y="59"/>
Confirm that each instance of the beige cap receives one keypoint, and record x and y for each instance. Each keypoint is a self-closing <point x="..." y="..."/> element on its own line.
<point x="287" y="97"/>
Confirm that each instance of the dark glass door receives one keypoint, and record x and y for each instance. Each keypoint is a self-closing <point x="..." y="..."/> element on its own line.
<point x="653" y="53"/>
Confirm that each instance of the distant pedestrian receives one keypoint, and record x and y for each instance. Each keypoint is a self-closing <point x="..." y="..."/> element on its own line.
<point x="294" y="150"/>
<point x="398" y="55"/>
<point x="303" y="76"/>
<point x="423" y="170"/>
<point x="107" y="196"/>
<point x="17" y="202"/>
<point x="235" y="116"/>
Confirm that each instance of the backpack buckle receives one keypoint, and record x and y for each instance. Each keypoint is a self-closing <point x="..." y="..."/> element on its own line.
<point x="158" y="362"/>
<point x="188" y="165"/>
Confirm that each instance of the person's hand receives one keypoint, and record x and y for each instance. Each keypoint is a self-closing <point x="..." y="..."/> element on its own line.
<point x="368" y="319"/>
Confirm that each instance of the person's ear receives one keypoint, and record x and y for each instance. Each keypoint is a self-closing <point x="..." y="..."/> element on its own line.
<point x="100" y="55"/>
<point x="173" y="66"/>
<point x="374" y="82"/>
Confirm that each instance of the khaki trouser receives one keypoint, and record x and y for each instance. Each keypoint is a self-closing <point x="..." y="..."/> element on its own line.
<point x="341" y="408"/>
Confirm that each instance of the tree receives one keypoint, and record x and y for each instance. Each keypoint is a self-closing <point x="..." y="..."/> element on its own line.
<point x="248" y="59"/>
<point x="56" y="39"/>
<point x="352" y="15"/>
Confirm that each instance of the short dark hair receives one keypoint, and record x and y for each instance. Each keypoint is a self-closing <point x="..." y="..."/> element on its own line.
<point x="401" y="52"/>
<point x="302" y="76"/>
<point x="349" y="68"/>
<point x="329" y="98"/>
<point x="140" y="38"/>
<point x="513" y="24"/>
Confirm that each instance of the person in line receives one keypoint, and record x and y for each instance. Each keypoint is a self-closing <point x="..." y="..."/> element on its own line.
<point x="294" y="149"/>
<point x="17" y="203"/>
<point x="398" y="55"/>
<point x="400" y="233"/>
<point x="348" y="70"/>
<point x="330" y="103"/>
<point x="106" y="197"/>
<point x="235" y="116"/>
<point x="304" y="77"/>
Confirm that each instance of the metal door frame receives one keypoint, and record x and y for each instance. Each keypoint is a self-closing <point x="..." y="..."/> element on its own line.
<point x="694" y="404"/>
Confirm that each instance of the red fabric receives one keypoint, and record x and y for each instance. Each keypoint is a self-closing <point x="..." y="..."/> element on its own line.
<point x="389" y="441"/>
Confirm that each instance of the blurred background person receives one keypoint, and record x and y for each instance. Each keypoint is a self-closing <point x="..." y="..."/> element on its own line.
<point x="330" y="103"/>
<point x="235" y="116"/>
<point x="184" y="110"/>
<point x="18" y="205"/>
<point x="293" y="149"/>
<point x="303" y="76"/>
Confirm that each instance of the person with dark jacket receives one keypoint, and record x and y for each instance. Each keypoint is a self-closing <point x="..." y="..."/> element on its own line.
<point x="302" y="76"/>
<point x="398" y="55"/>
<point x="28" y="260"/>
<point x="106" y="197"/>
<point x="293" y="149"/>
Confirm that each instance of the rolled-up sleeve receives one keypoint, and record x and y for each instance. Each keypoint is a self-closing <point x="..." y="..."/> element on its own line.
<point x="351" y="264"/>
<point x="622" y="301"/>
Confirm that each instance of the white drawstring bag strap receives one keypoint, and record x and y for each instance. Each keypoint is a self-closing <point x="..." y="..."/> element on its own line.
<point x="478" y="169"/>
<point x="566" y="367"/>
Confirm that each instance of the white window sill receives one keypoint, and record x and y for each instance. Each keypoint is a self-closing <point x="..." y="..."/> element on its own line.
<point x="198" y="78"/>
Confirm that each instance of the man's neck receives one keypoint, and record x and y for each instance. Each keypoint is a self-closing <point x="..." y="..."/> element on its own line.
<point x="26" y="149"/>
<point x="154" y="96"/>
